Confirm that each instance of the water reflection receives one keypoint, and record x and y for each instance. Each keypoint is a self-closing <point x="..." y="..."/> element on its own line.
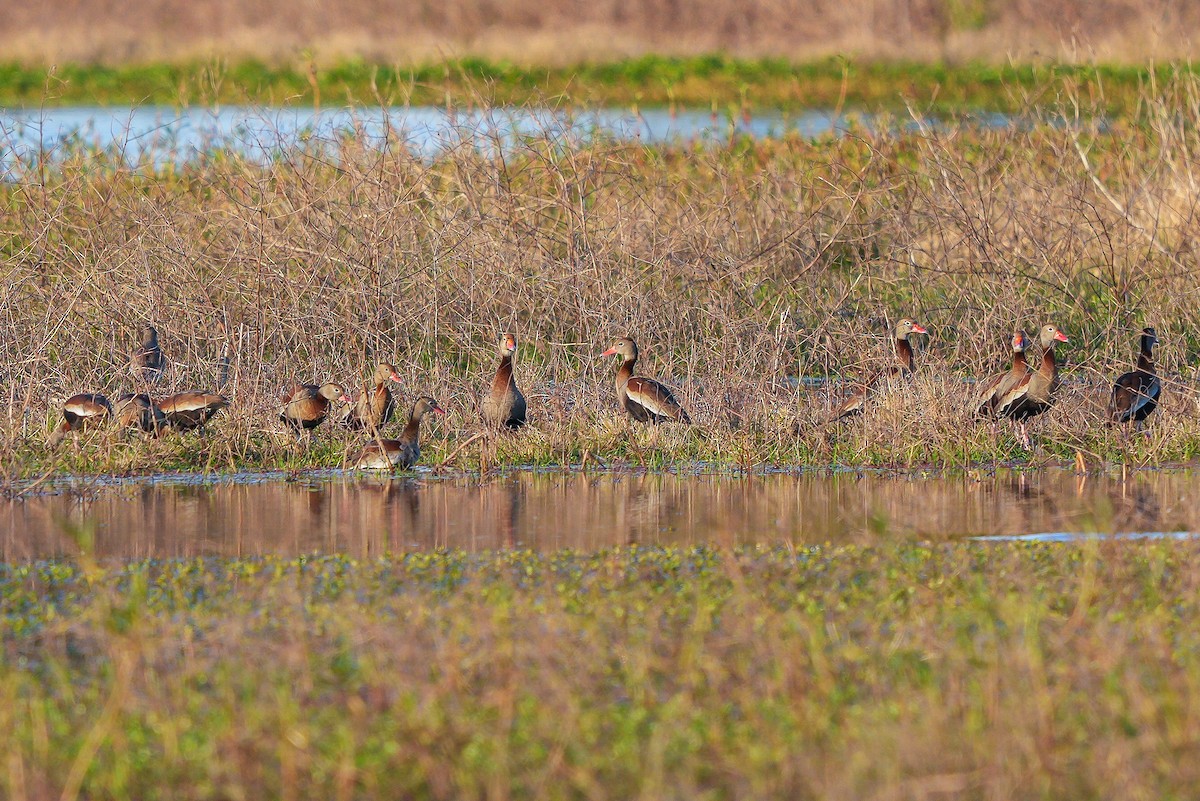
<point x="370" y="516"/>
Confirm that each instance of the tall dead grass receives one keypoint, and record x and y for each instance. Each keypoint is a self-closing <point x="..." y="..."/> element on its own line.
<point x="569" y="30"/>
<point x="737" y="266"/>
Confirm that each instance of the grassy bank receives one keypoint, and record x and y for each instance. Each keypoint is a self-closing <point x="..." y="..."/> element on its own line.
<point x="926" y="425"/>
<point x="741" y="266"/>
<point x="976" y="671"/>
<point x="716" y="82"/>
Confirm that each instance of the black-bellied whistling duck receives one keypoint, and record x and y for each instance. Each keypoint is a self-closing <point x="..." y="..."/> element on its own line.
<point x="646" y="400"/>
<point x="384" y="454"/>
<point x="141" y="413"/>
<point x="996" y="387"/>
<point x="504" y="405"/>
<point x="185" y="411"/>
<point x="148" y="362"/>
<point x="1135" y="394"/>
<point x="307" y="405"/>
<point x="83" y="411"/>
<point x="1034" y="393"/>
<point x="902" y="367"/>
<point x="375" y="405"/>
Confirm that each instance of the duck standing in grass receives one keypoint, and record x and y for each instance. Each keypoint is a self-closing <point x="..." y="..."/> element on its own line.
<point x="375" y="405"/>
<point x="384" y="454"/>
<point x="147" y="362"/>
<point x="140" y="413"/>
<point x="307" y="405"/>
<point x="81" y="412"/>
<point x="1135" y="394"/>
<point x="902" y="367"/>
<point x="645" y="399"/>
<point x="1034" y="394"/>
<point x="185" y="411"/>
<point x="996" y="387"/>
<point x="504" y="405"/>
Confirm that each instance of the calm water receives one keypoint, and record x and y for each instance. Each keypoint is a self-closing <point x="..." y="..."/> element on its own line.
<point x="165" y="134"/>
<point x="366" y="516"/>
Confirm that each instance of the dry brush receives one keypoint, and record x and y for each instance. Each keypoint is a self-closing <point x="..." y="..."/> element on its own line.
<point x="739" y="266"/>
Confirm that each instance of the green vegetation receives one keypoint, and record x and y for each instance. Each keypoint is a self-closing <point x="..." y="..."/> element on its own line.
<point x="977" y="671"/>
<point x="722" y="83"/>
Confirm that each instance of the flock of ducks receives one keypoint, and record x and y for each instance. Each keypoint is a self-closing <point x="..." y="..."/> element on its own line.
<point x="1020" y="393"/>
<point x="1024" y="392"/>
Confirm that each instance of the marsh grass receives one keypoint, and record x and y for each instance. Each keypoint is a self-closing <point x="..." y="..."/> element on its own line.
<point x="729" y="87"/>
<point x="896" y="671"/>
<point x="740" y="266"/>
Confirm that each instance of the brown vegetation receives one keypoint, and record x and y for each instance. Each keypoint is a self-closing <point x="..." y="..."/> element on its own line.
<point x="740" y="267"/>
<point x="538" y="32"/>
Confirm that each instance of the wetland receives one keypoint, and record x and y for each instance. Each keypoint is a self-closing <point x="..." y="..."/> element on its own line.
<point x="906" y="604"/>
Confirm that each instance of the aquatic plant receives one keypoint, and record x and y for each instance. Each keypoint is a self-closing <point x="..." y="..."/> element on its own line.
<point x="833" y="672"/>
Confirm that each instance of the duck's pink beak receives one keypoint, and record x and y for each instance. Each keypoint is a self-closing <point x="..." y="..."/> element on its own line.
<point x="919" y="329"/>
<point x="1061" y="337"/>
<point x="439" y="410"/>
<point x="396" y="377"/>
<point x="609" y="352"/>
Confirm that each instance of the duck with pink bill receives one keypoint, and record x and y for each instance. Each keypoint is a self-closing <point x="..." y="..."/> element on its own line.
<point x="996" y="387"/>
<point x="404" y="452"/>
<point x="1034" y="394"/>
<point x="307" y="405"/>
<point x="644" y="399"/>
<point x="901" y="367"/>
<point x="504" y="404"/>
<point x="375" y="405"/>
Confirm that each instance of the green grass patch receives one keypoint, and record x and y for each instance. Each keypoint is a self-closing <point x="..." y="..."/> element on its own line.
<point x="658" y="672"/>
<point x="718" y="82"/>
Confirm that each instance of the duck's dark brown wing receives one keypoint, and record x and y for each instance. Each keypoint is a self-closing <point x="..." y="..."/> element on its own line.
<point x="856" y="401"/>
<point x="87" y="406"/>
<point x="853" y="404"/>
<point x="1008" y="403"/>
<point x="188" y="410"/>
<point x="655" y="401"/>
<point x="1134" y="396"/>
<point x="987" y="395"/>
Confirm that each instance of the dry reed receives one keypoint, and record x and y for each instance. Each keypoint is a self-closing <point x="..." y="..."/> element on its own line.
<point x="738" y="266"/>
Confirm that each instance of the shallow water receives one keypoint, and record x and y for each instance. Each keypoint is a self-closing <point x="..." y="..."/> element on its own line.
<point x="176" y="135"/>
<point x="364" y="516"/>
